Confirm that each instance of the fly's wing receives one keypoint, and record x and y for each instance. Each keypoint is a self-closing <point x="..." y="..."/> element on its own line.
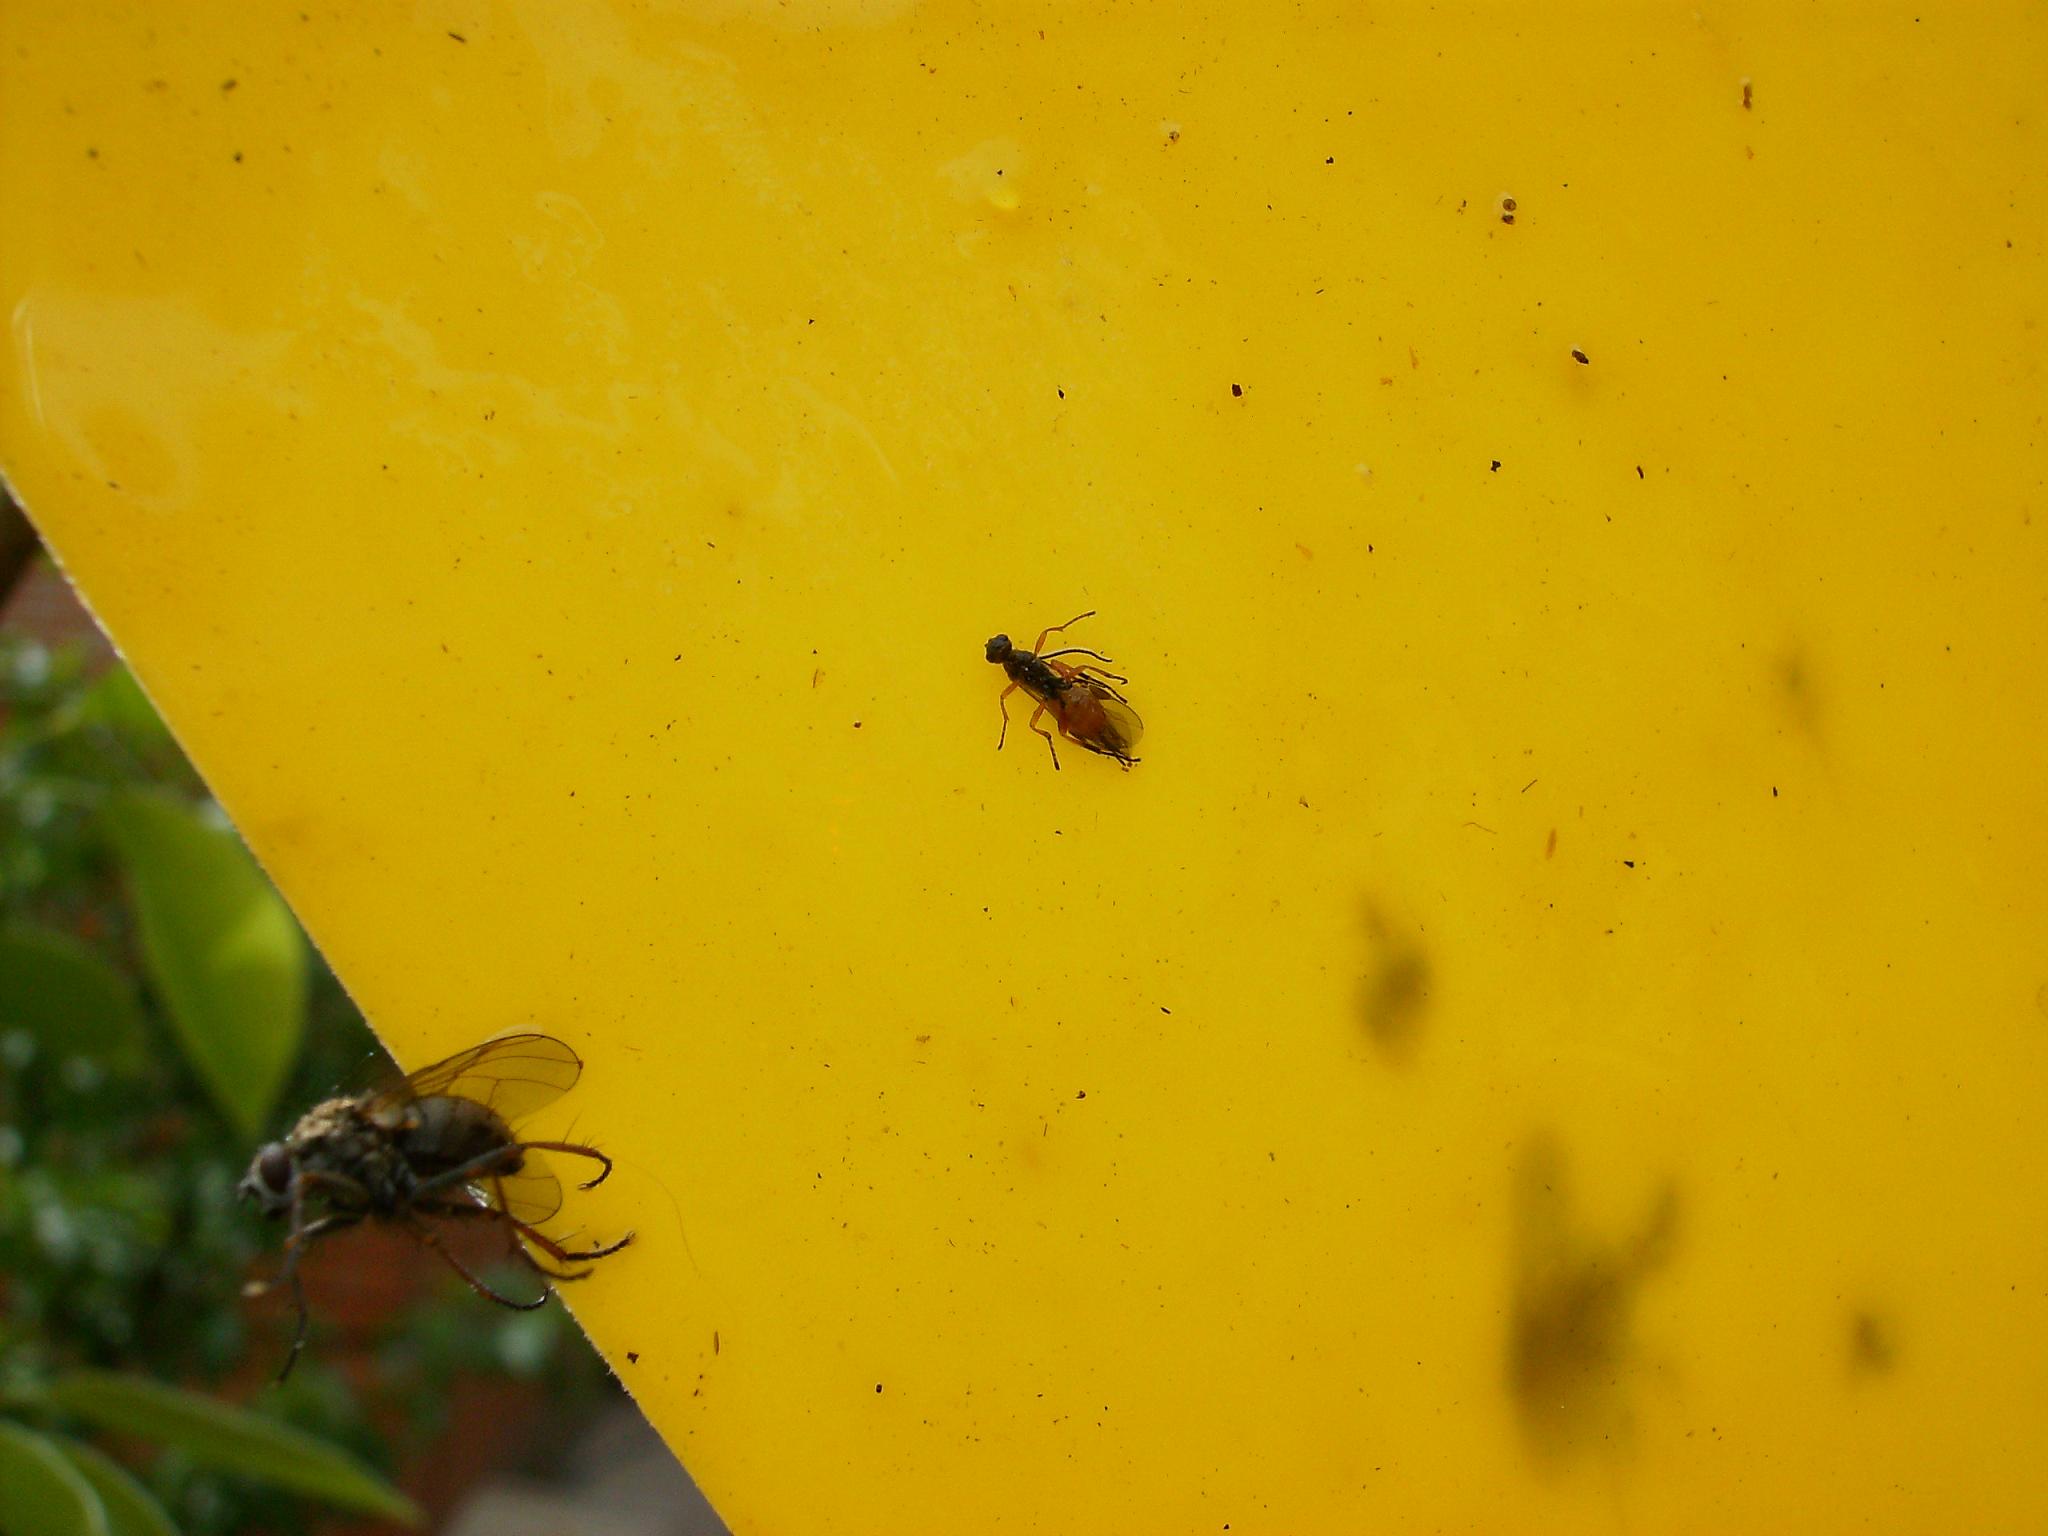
<point x="511" y="1075"/>
<point x="1122" y="727"/>
<point x="529" y="1194"/>
<point x="529" y="1197"/>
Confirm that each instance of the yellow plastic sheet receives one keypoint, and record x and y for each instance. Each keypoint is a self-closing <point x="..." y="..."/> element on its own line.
<point x="1553" y="1034"/>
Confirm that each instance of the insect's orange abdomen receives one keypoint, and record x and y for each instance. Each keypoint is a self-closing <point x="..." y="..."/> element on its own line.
<point x="1081" y="715"/>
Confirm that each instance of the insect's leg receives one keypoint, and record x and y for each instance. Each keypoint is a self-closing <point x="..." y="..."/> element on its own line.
<point x="459" y="1209"/>
<point x="1005" y="709"/>
<point x="478" y="1167"/>
<point x="338" y="1186"/>
<point x="1080" y="672"/>
<point x="1075" y="650"/>
<point x="1046" y="734"/>
<point x="456" y="1209"/>
<point x="1039" y="643"/>
<point x="299" y="1331"/>
<point x="295" y="1247"/>
<point x="579" y="1150"/>
<point x="432" y="1239"/>
<point x="302" y="1236"/>
<point x="562" y="1255"/>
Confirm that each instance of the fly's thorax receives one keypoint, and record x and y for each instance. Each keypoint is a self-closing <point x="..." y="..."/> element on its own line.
<point x="1035" y="677"/>
<point x="353" y="1158"/>
<point x="324" y="1121"/>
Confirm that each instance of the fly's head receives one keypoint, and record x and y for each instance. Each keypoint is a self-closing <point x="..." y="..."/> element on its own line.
<point x="269" y="1180"/>
<point x="1000" y="650"/>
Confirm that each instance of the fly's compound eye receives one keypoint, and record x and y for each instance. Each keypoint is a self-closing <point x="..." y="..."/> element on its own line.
<point x="274" y="1167"/>
<point x="269" y="1179"/>
<point x="998" y="648"/>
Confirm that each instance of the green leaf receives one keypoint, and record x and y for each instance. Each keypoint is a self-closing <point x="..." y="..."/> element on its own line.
<point x="118" y="702"/>
<point x="41" y="1492"/>
<point x="232" y="1439"/>
<point x="71" y="1000"/>
<point x="131" y="1509"/>
<point x="222" y="950"/>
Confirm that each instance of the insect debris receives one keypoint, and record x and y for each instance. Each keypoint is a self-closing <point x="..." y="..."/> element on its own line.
<point x="432" y="1152"/>
<point x="1081" y="697"/>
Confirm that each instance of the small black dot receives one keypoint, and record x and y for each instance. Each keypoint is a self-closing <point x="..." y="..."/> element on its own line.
<point x="1579" y="356"/>
<point x="1237" y="391"/>
<point x="878" y="1387"/>
<point x="1496" y="466"/>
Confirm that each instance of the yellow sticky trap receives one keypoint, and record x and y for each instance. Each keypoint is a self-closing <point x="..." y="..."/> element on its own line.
<point x="1553" y="1030"/>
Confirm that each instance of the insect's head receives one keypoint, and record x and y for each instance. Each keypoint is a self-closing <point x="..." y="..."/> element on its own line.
<point x="999" y="649"/>
<point x="269" y="1180"/>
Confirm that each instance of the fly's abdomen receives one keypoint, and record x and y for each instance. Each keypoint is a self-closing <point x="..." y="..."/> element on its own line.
<point x="448" y="1133"/>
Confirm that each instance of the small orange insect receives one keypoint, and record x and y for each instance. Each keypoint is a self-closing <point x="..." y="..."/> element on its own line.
<point x="1080" y="696"/>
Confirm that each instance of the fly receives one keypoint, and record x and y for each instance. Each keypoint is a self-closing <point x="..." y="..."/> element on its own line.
<point x="434" y="1150"/>
<point x="1080" y="696"/>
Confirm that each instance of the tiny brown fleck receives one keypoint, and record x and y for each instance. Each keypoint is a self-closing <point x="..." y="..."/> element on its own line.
<point x="1237" y="391"/>
<point x="1579" y="356"/>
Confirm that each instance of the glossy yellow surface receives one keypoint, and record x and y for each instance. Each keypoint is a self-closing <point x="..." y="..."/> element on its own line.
<point x="1552" y="1036"/>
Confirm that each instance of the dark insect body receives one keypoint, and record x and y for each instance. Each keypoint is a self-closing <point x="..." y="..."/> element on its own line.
<point x="1080" y="696"/>
<point x="434" y="1149"/>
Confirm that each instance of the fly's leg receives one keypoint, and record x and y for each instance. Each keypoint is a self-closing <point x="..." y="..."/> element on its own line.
<point x="485" y="1164"/>
<point x="432" y="1239"/>
<point x="1081" y="671"/>
<point x="457" y="1210"/>
<point x="1047" y="734"/>
<point x="481" y="1166"/>
<point x="1005" y="709"/>
<point x="576" y="1149"/>
<point x="562" y="1255"/>
<point x="1039" y="644"/>
<point x="303" y="1232"/>
<point x="299" y="1329"/>
<point x="302" y="1235"/>
<point x="295" y="1248"/>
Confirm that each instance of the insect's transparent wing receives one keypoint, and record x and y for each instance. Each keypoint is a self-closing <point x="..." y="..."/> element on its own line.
<point x="1122" y="728"/>
<point x="513" y="1075"/>
<point x="531" y="1195"/>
